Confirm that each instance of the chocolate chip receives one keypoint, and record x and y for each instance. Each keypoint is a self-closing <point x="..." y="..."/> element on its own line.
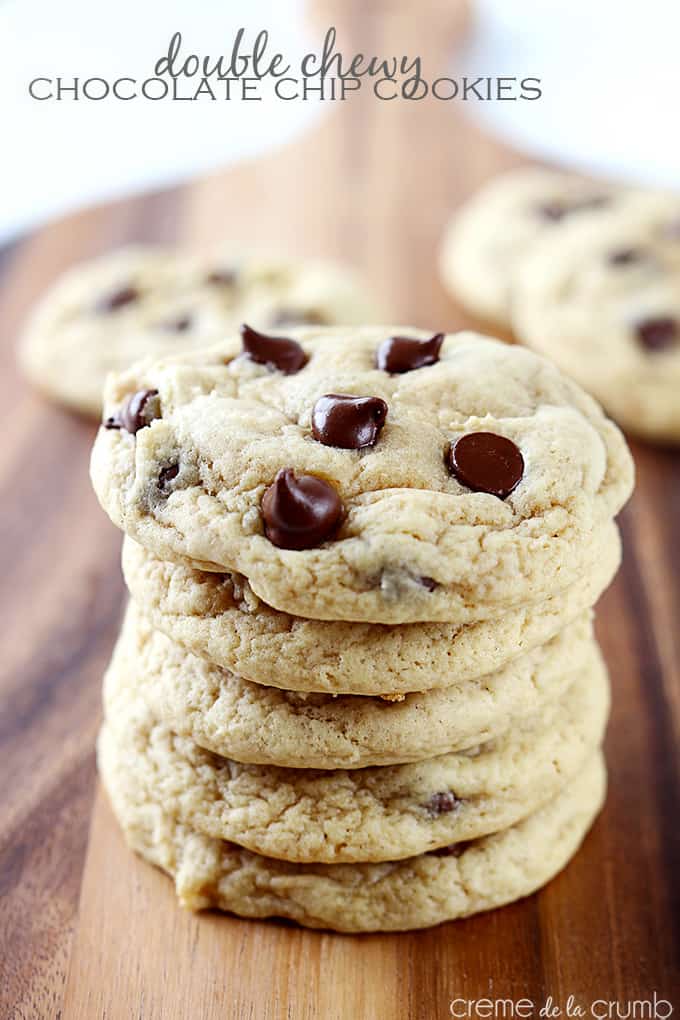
<point x="301" y="317"/>
<point x="348" y="422"/>
<point x="658" y="334"/>
<point x="300" y="511"/>
<point x="453" y="849"/>
<point x="553" y="211"/>
<point x="556" y="210"/>
<point x="179" y="325"/>
<point x="274" y="351"/>
<point x="624" y="257"/>
<point x="118" y="299"/>
<point x="222" y="278"/>
<point x="485" y="462"/>
<point x="403" y="353"/>
<point x="442" y="803"/>
<point x="167" y="474"/>
<point x="138" y="411"/>
<point x="428" y="582"/>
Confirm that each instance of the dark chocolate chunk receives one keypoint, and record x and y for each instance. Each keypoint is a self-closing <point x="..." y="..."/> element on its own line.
<point x="118" y="299"/>
<point x="274" y="351"/>
<point x="138" y="411"/>
<point x="658" y="334"/>
<point x="403" y="354"/>
<point x="349" y="422"/>
<point x="442" y="803"/>
<point x="486" y="462"/>
<point x="300" y="511"/>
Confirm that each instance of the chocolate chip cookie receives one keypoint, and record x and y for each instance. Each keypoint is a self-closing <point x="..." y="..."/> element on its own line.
<point x="141" y="301"/>
<point x="603" y="301"/>
<point x="362" y="815"/>
<point x="413" y="893"/>
<point x="219" y="617"/>
<point x="254" y="724"/>
<point x="492" y="233"/>
<point x="471" y="477"/>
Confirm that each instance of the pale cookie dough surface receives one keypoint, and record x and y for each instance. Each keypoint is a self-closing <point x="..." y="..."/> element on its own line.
<point x="414" y="543"/>
<point x="219" y="617"/>
<point x="394" y="896"/>
<point x="362" y="815"/>
<point x="267" y="726"/>
<point x="74" y="339"/>
<point x="493" y="231"/>
<point x="588" y="299"/>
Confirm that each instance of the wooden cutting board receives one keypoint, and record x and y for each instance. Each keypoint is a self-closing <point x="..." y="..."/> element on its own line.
<point x="88" y="931"/>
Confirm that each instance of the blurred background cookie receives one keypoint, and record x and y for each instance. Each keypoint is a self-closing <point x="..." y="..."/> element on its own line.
<point x="143" y="301"/>
<point x="602" y="299"/>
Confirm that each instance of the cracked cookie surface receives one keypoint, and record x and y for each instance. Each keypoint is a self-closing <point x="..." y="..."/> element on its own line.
<point x="413" y="543"/>
<point x="139" y="301"/>
<point x="265" y="725"/>
<point x="363" y="815"/>
<point x="391" y="896"/>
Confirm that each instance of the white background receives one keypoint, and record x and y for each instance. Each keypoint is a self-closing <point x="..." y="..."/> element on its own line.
<point x="610" y="70"/>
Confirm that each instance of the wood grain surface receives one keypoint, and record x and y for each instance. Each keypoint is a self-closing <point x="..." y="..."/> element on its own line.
<point x="86" y="930"/>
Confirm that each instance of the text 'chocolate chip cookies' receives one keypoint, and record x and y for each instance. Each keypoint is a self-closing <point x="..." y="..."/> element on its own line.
<point x="359" y="658"/>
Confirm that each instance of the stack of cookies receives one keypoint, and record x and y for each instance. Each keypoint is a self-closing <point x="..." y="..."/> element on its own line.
<point x="586" y="273"/>
<point x="357" y="684"/>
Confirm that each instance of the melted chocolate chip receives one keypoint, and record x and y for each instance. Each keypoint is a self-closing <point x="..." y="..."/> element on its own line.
<point x="658" y="334"/>
<point x="624" y="257"/>
<point x="167" y="474"/>
<point x="428" y="582"/>
<point x="222" y="278"/>
<point x="403" y="354"/>
<point x="485" y="462"/>
<point x="300" y="511"/>
<point x="138" y="411"/>
<point x="276" y="352"/>
<point x="301" y="317"/>
<point x="348" y="422"/>
<point x="118" y="299"/>
<point x="442" y="803"/>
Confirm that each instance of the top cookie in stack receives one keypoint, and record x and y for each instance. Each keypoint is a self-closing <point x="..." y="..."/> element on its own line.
<point x="377" y="474"/>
